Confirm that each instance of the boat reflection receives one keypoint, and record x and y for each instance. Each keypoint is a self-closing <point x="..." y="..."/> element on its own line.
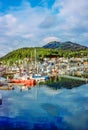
<point x="0" y="99"/>
<point x="24" y="88"/>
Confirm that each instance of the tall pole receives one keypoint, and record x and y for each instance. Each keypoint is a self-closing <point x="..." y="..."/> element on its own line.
<point x="31" y="57"/>
<point x="35" y="57"/>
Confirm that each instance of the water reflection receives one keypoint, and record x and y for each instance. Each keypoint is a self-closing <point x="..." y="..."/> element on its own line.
<point x="50" y="109"/>
<point x="43" y="108"/>
<point x="65" y="83"/>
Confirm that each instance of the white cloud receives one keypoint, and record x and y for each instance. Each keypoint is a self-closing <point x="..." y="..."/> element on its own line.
<point x="7" y="20"/>
<point x="73" y="12"/>
<point x="2" y="40"/>
<point x="67" y="20"/>
<point x="74" y="7"/>
<point x="8" y="25"/>
<point x="28" y="36"/>
<point x="49" y="39"/>
<point x="23" y="23"/>
<point x="49" y="22"/>
<point x="74" y="19"/>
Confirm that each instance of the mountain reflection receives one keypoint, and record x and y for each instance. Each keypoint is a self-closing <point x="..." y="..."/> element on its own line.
<point x="64" y="83"/>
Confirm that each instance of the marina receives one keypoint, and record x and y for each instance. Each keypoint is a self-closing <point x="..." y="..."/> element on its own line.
<point x="48" y="68"/>
<point x="43" y="65"/>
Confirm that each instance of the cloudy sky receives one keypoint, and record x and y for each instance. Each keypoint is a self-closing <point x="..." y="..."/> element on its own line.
<point x="26" y="23"/>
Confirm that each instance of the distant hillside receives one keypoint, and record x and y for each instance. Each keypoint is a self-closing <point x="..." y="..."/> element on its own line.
<point x="26" y="52"/>
<point x="29" y="53"/>
<point x="65" y="46"/>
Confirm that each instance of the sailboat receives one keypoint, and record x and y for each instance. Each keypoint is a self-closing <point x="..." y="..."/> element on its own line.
<point x="37" y="76"/>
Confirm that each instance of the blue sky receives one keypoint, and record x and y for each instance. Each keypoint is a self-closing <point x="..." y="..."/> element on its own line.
<point x="26" y="23"/>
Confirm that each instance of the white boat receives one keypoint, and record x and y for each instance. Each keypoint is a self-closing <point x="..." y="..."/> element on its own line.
<point x="39" y="77"/>
<point x="2" y="79"/>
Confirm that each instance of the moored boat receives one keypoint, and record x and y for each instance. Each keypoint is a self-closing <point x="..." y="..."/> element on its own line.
<point x="40" y="78"/>
<point x="26" y="82"/>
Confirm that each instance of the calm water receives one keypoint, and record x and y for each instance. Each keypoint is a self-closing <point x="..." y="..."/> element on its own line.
<point x="42" y="108"/>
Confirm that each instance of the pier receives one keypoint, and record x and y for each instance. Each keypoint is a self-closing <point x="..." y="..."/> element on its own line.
<point x="6" y="88"/>
<point x="74" y="77"/>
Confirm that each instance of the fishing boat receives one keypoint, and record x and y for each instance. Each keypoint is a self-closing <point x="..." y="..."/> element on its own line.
<point x="39" y="77"/>
<point x="3" y="81"/>
<point x="26" y="81"/>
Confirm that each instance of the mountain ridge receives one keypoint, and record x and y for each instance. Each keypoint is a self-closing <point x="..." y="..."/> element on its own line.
<point x="68" y="45"/>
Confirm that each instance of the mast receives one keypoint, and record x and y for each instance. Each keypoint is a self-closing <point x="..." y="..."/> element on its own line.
<point x="35" y="56"/>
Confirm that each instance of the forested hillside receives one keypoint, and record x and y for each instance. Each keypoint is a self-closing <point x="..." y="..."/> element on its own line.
<point x="41" y="53"/>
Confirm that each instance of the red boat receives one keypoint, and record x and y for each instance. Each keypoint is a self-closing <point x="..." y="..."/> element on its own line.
<point x="27" y="82"/>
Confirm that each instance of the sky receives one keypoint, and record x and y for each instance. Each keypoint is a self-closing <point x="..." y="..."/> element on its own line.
<point x="30" y="23"/>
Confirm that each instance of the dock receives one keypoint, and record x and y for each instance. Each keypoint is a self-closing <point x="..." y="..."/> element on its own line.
<point x="74" y="77"/>
<point x="6" y="88"/>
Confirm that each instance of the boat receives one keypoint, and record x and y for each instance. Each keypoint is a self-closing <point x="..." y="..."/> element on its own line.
<point x="26" y="81"/>
<point x="6" y="88"/>
<point x="3" y="81"/>
<point x="39" y="77"/>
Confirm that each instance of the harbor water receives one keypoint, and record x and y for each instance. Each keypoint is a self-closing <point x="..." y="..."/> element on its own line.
<point x="44" y="108"/>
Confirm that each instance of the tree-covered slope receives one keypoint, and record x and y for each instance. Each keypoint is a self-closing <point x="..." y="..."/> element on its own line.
<point x="26" y="52"/>
<point x="41" y="53"/>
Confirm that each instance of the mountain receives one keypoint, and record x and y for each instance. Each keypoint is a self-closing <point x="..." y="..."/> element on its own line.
<point x="52" y="45"/>
<point x="65" y="46"/>
<point x="58" y="49"/>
